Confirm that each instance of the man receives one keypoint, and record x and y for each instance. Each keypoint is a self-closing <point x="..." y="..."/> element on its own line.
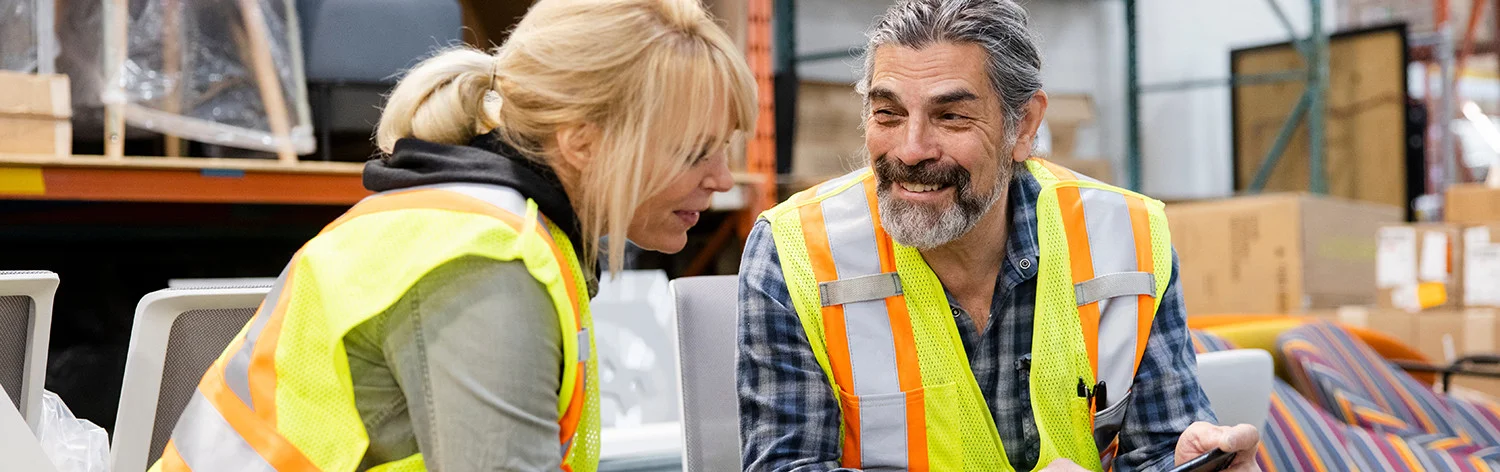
<point x="1066" y="347"/>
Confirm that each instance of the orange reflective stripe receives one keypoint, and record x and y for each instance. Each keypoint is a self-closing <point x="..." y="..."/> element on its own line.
<point x="171" y="460"/>
<point x="262" y="373"/>
<point x="907" y="365"/>
<point x="1070" y="202"/>
<point x="835" y="339"/>
<point x="1140" y="224"/>
<point x="1062" y="173"/>
<point x="571" y="418"/>
<point x="261" y="436"/>
<point x="406" y="200"/>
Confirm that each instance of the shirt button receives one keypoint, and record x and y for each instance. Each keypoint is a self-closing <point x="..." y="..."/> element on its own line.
<point x="1026" y="264"/>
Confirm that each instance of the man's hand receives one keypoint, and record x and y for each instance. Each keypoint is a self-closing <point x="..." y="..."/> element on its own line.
<point x="1063" y="465"/>
<point x="1201" y="437"/>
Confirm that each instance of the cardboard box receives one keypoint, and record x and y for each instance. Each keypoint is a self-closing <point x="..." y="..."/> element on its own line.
<point x="1419" y="266"/>
<point x="828" y="139"/>
<point x="1277" y="253"/>
<point x="1397" y="324"/>
<point x="1100" y="169"/>
<point x="35" y="114"/>
<point x="1481" y="265"/>
<point x="1471" y="204"/>
<point x="1065" y="114"/>
<point x="1446" y="335"/>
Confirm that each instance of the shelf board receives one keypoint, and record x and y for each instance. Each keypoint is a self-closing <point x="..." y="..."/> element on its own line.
<point x="179" y="180"/>
<point x="192" y="180"/>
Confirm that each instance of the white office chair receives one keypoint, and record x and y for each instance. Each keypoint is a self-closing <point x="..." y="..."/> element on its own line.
<point x="1238" y="384"/>
<point x="177" y="334"/>
<point x="25" y="327"/>
<point x="706" y="310"/>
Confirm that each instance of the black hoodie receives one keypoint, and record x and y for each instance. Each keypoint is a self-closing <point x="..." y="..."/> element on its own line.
<point x="486" y="160"/>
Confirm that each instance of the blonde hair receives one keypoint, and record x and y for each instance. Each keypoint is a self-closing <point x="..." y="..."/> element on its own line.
<point x="649" y="74"/>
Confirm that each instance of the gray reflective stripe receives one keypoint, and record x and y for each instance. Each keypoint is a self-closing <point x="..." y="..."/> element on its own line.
<point x="503" y="197"/>
<point x="583" y="345"/>
<point x="1118" y="284"/>
<point x="205" y="441"/>
<point x="237" y="371"/>
<point x="831" y="185"/>
<point x="867" y="326"/>
<point x="860" y="289"/>
<point x="1112" y="248"/>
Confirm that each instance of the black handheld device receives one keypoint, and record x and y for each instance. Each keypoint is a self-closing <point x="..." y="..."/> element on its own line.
<point x="1214" y="461"/>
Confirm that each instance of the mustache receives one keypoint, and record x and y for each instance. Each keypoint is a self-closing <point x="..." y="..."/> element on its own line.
<point x="929" y="172"/>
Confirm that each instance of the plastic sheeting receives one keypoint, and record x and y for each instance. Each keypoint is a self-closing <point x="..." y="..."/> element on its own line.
<point x="191" y="71"/>
<point x="18" y="38"/>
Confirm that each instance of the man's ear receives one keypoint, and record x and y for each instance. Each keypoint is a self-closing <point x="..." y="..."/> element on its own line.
<point x="576" y="144"/>
<point x="1036" y="110"/>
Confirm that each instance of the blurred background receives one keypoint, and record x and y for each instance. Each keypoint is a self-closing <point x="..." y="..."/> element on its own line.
<point x="1321" y="159"/>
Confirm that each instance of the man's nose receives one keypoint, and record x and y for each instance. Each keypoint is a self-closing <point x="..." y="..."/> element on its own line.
<point x="918" y="145"/>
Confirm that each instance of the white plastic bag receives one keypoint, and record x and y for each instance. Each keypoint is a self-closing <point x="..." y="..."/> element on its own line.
<point x="73" y="444"/>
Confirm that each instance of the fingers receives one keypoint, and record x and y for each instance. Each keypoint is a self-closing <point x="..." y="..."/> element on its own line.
<point x="1238" y="438"/>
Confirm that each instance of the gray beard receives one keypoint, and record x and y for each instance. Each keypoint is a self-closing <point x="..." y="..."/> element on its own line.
<point x="924" y="227"/>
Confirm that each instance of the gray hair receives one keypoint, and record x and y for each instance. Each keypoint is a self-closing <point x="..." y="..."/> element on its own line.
<point x="998" y="26"/>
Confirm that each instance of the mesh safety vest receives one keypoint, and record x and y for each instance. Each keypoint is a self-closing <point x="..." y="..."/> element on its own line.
<point x="881" y="328"/>
<point x="280" y="397"/>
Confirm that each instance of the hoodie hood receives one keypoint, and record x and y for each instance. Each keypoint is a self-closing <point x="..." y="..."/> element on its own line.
<point x="486" y="160"/>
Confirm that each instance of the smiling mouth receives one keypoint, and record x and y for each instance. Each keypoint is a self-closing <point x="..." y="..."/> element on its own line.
<point x="921" y="188"/>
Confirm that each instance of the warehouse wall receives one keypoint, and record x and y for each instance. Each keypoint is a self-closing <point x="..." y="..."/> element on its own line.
<point x="1185" y="135"/>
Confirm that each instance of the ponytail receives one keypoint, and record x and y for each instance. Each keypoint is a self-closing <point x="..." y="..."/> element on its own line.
<point x="441" y="100"/>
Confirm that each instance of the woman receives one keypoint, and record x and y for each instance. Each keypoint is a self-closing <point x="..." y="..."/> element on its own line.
<point x="444" y="322"/>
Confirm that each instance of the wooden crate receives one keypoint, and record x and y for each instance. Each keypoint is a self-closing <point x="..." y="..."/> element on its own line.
<point x="35" y="114"/>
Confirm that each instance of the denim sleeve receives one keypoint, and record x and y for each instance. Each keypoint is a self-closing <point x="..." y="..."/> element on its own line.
<point x="789" y="420"/>
<point x="470" y="367"/>
<point x="1166" y="396"/>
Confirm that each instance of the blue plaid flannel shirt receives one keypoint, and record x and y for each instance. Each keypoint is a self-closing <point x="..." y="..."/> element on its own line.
<point x="789" y="419"/>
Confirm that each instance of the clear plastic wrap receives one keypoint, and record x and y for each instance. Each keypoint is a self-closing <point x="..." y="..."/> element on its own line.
<point x="73" y="444"/>
<point x="196" y="69"/>
<point x="18" y="40"/>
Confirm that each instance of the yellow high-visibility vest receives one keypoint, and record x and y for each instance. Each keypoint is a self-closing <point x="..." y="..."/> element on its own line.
<point x="880" y="325"/>
<point x="280" y="397"/>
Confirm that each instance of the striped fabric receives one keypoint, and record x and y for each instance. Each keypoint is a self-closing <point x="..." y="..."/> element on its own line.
<point x="1299" y="436"/>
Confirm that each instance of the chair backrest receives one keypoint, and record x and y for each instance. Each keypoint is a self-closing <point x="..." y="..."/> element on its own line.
<point x="177" y="334"/>
<point x="25" y="327"/>
<point x="706" y="311"/>
<point x="1238" y="384"/>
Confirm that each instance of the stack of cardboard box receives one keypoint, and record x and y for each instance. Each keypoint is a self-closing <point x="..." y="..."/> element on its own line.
<point x="35" y="114"/>
<point x="1435" y="286"/>
<point x="1066" y="115"/>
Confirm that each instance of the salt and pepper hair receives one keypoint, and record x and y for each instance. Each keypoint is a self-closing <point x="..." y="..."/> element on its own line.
<point x="998" y="26"/>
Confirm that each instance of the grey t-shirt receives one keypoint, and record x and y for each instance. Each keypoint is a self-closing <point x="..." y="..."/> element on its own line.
<point x="465" y="369"/>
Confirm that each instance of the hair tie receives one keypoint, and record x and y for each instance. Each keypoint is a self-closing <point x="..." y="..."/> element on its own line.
<point x="491" y="102"/>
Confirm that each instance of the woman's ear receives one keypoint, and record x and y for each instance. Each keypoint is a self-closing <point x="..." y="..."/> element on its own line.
<point x="576" y="144"/>
<point x="1036" y="108"/>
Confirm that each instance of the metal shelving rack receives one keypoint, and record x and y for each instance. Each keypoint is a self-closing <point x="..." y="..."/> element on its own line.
<point x="1311" y="107"/>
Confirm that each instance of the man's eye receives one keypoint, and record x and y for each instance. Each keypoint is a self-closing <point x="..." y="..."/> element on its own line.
<point x="885" y="113"/>
<point x="952" y="116"/>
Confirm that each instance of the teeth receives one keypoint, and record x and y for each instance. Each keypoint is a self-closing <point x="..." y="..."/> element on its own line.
<point x="919" y="188"/>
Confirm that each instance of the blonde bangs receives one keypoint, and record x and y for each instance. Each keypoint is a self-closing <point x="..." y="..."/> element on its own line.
<point x="686" y="97"/>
